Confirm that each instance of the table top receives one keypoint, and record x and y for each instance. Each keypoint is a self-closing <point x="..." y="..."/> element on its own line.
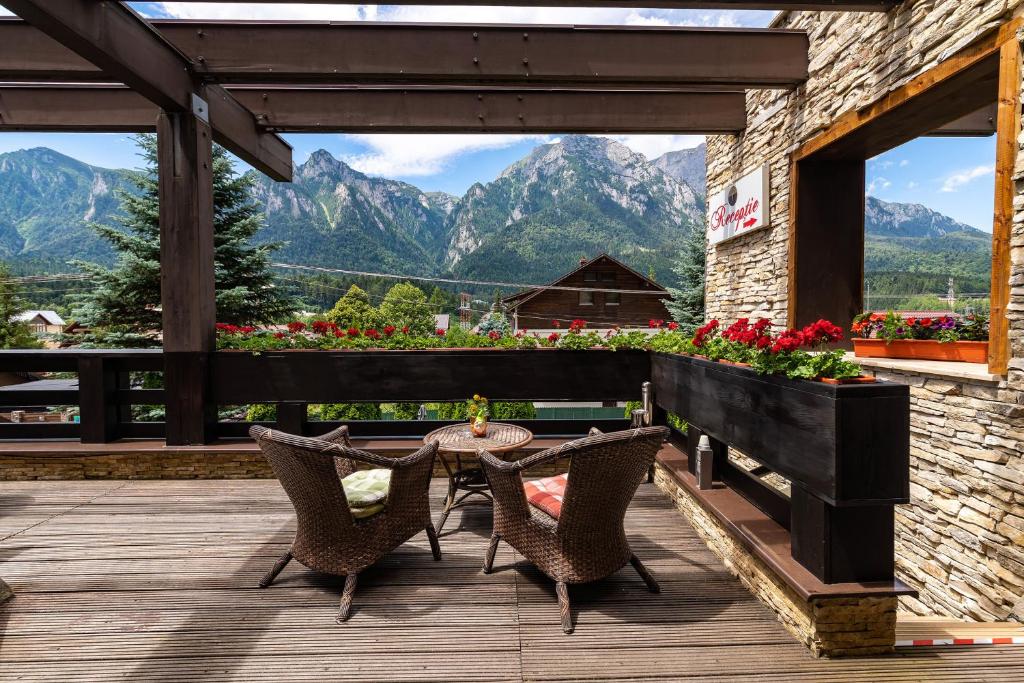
<point x="500" y="438"/>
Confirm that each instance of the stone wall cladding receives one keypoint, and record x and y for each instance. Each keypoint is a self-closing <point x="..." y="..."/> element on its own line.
<point x="961" y="541"/>
<point x="830" y="627"/>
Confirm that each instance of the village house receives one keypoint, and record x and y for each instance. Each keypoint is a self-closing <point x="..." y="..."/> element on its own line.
<point x="42" y="322"/>
<point x="620" y="297"/>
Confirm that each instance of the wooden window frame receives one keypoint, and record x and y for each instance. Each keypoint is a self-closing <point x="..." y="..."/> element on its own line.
<point x="856" y="135"/>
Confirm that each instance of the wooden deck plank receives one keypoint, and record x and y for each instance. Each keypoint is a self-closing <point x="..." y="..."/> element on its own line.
<point x="155" y="580"/>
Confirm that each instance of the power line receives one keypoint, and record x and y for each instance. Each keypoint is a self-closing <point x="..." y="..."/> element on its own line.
<point x="452" y="281"/>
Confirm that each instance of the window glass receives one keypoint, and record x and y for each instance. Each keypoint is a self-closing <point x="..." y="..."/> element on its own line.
<point x="586" y="298"/>
<point x="612" y="298"/>
<point x="590" y="277"/>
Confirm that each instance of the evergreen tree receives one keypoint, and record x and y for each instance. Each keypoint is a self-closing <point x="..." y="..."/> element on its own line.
<point x="127" y="297"/>
<point x="354" y="310"/>
<point x="405" y="305"/>
<point x="14" y="334"/>
<point x="687" y="304"/>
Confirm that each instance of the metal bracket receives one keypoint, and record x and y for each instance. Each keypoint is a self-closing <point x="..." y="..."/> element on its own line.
<point x="200" y="109"/>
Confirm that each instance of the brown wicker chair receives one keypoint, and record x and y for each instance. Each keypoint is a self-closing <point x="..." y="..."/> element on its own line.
<point x="328" y="538"/>
<point x="587" y="541"/>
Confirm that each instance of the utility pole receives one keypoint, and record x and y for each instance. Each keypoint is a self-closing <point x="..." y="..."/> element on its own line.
<point x="951" y="295"/>
<point x="867" y="296"/>
<point x="465" y="315"/>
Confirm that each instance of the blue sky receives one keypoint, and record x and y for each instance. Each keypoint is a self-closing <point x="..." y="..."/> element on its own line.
<point x="953" y="176"/>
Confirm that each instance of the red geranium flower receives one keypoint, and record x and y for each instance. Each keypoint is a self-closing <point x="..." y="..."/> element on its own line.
<point x="673" y="325"/>
<point x="405" y="329"/>
<point x="926" y="322"/>
<point x="279" y="335"/>
<point x="372" y="333"/>
<point x="553" y="337"/>
<point x="321" y="326"/>
<point x="555" y="324"/>
<point x="296" y="326"/>
<point x="248" y="329"/>
<point x="494" y="334"/>
<point x="439" y="332"/>
<point x="912" y="321"/>
<point x="389" y="330"/>
<point x="353" y="332"/>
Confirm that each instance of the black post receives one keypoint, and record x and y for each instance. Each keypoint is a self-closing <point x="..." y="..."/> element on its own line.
<point x="97" y="400"/>
<point x="291" y="418"/>
<point x="187" y="294"/>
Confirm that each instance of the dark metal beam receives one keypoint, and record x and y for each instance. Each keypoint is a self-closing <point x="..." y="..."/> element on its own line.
<point x="128" y="50"/>
<point x="297" y="109"/>
<point x="844" y="5"/>
<point x="447" y="54"/>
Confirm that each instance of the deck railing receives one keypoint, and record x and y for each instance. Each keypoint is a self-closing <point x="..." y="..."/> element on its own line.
<point x="844" y="449"/>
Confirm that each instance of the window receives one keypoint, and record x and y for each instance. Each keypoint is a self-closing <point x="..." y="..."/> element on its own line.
<point x="590" y="276"/>
<point x="586" y="298"/>
<point x="612" y="298"/>
<point x="607" y="277"/>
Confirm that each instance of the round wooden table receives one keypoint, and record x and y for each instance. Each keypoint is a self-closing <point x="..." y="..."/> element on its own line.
<point x="458" y="440"/>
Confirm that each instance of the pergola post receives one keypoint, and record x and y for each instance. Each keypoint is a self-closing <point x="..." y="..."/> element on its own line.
<point x="187" y="290"/>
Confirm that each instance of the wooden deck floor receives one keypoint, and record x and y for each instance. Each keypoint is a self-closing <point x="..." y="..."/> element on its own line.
<point x="155" y="581"/>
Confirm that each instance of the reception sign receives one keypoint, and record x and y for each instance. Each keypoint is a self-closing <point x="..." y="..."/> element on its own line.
<point x="740" y="208"/>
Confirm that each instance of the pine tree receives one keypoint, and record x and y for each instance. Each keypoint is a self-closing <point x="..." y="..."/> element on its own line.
<point x="127" y="297"/>
<point x="687" y="304"/>
<point x="14" y="334"/>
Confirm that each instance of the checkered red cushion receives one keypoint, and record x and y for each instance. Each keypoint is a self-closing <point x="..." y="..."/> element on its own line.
<point x="547" y="494"/>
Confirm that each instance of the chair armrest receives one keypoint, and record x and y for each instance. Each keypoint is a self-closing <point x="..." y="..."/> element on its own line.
<point x="335" y="450"/>
<point x="506" y="485"/>
<point x="594" y="431"/>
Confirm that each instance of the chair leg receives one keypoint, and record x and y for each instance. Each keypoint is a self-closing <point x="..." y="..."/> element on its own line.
<point x="563" y="606"/>
<point x="652" y="585"/>
<point x="281" y="563"/>
<point x="492" y="549"/>
<point x="435" y="547"/>
<point x="346" y="598"/>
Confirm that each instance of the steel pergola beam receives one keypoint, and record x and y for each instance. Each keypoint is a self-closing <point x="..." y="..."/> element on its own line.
<point x="446" y="54"/>
<point x="125" y="48"/>
<point x="421" y="110"/>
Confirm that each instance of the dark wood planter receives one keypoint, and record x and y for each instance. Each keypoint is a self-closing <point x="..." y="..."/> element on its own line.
<point x="315" y="376"/>
<point x="844" y="447"/>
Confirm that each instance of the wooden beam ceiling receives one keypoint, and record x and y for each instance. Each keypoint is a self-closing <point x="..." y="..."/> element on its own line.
<point x="127" y="49"/>
<point x="421" y="110"/>
<point x="382" y="53"/>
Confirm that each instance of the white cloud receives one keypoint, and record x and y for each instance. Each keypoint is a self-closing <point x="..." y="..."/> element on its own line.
<point x="904" y="163"/>
<point x="653" y="146"/>
<point x="912" y="185"/>
<point x="423" y="154"/>
<point x="954" y="182"/>
<point x="468" y="14"/>
<point x="878" y="184"/>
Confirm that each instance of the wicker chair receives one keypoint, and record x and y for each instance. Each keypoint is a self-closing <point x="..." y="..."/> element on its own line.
<point x="587" y="541"/>
<point x="328" y="538"/>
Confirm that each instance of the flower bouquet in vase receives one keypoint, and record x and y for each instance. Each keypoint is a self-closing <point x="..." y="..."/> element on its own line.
<point x="479" y="411"/>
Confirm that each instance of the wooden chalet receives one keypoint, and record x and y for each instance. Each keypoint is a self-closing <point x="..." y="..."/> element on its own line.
<point x="603" y="291"/>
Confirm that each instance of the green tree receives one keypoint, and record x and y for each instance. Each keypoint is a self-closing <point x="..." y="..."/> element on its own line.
<point x="405" y="305"/>
<point x="14" y="334"/>
<point x="687" y="304"/>
<point x="127" y="297"/>
<point x="354" y="310"/>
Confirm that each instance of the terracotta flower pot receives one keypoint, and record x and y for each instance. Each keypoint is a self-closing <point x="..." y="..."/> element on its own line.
<point x="922" y="349"/>
<point x="733" y="363"/>
<point x="863" y="379"/>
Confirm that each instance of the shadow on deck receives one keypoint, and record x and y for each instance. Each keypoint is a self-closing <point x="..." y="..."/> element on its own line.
<point x="156" y="580"/>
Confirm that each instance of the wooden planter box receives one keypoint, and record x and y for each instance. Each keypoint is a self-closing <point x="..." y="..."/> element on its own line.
<point x="315" y="376"/>
<point x="922" y="349"/>
<point x="844" y="447"/>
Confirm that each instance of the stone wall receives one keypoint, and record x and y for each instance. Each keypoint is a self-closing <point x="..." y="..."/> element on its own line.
<point x="832" y="627"/>
<point x="961" y="540"/>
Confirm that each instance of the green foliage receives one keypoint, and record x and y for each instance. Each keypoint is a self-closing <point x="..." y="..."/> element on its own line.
<point x="405" y="411"/>
<point x="687" y="303"/>
<point x="344" y="412"/>
<point x="892" y="326"/>
<point x="126" y="298"/>
<point x="499" y="410"/>
<point x="354" y="310"/>
<point x="261" y="412"/>
<point x="13" y="334"/>
<point x="405" y="305"/>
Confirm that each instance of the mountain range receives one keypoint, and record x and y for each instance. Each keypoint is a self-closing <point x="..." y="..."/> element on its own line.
<point x="575" y="197"/>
